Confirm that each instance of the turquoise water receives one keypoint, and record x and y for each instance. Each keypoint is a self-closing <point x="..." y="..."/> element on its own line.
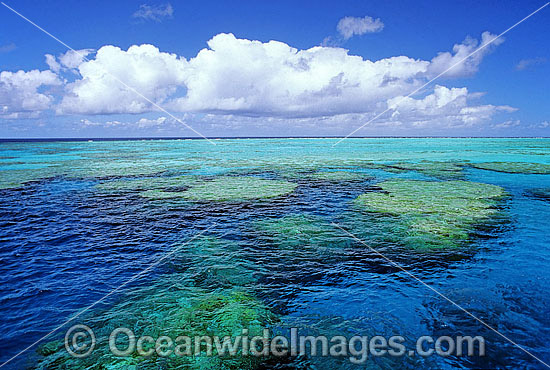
<point x="78" y="219"/>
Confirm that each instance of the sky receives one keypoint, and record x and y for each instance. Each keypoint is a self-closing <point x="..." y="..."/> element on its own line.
<point x="274" y="68"/>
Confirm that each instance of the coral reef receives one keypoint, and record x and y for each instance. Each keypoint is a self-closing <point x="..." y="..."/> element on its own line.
<point x="229" y="188"/>
<point x="514" y="167"/>
<point x="147" y="183"/>
<point x="299" y="232"/>
<point x="338" y="176"/>
<point x="434" y="214"/>
<point x="440" y="170"/>
<point x="177" y="304"/>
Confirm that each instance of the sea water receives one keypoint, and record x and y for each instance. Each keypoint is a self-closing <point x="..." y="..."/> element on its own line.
<point x="76" y="223"/>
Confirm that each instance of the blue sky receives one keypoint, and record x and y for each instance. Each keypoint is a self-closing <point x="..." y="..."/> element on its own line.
<point x="238" y="87"/>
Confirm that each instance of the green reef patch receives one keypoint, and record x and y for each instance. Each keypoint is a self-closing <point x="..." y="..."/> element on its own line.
<point x="12" y="182"/>
<point x="299" y="232"/>
<point x="211" y="262"/>
<point x="173" y="312"/>
<point x="338" y="176"/>
<point x="434" y="214"/>
<point x="17" y="174"/>
<point x="146" y="184"/>
<point x="514" y="167"/>
<point x="238" y="188"/>
<point x="158" y="194"/>
<point x="113" y="168"/>
<point x="182" y="302"/>
<point x="15" y="178"/>
<point x="440" y="170"/>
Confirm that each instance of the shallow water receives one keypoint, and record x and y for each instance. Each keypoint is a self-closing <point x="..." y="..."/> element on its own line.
<point x="67" y="239"/>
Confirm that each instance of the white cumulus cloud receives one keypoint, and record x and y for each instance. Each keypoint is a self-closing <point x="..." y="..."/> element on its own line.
<point x="21" y="92"/>
<point x="445" y="106"/>
<point x="144" y="68"/>
<point x="350" y="26"/>
<point x="52" y="62"/>
<point x="67" y="61"/>
<point x="154" y="12"/>
<point x="72" y="59"/>
<point x="246" y="78"/>
<point x="255" y="78"/>
<point x="468" y="67"/>
<point x="239" y="76"/>
<point x="146" y="122"/>
<point x="507" y="124"/>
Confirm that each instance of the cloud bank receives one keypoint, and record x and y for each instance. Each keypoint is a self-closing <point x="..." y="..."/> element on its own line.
<point x="246" y="78"/>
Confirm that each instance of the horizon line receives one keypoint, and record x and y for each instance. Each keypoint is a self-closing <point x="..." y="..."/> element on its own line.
<point x="130" y="138"/>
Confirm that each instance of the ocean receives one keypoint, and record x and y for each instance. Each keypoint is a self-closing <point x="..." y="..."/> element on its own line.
<point x="439" y="237"/>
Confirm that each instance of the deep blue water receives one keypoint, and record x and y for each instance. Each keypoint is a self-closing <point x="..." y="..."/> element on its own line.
<point x="65" y="244"/>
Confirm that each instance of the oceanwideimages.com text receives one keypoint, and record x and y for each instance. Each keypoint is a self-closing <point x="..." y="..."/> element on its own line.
<point x="80" y="341"/>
